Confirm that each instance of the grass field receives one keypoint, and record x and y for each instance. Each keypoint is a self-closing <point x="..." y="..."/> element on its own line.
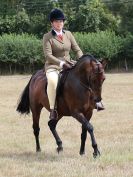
<point x="113" y="131"/>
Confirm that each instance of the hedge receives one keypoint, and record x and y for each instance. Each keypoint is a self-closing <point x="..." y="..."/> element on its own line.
<point x="24" y="53"/>
<point x="104" y="44"/>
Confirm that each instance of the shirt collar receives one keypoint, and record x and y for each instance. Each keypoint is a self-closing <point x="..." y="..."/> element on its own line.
<point x="58" y="33"/>
<point x="54" y="32"/>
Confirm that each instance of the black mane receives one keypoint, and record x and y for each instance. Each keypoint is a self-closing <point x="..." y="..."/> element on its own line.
<point x="84" y="58"/>
<point x="89" y="56"/>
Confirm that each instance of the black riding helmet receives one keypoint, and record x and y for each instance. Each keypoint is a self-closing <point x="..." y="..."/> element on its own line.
<point x="56" y="14"/>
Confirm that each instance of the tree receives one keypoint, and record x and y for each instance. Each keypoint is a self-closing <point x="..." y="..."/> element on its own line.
<point x="123" y="11"/>
<point x="93" y="16"/>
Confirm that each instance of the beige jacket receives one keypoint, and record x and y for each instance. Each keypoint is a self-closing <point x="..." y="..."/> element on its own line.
<point x="57" y="50"/>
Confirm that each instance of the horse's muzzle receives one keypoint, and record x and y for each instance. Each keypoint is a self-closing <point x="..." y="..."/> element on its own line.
<point x="98" y="99"/>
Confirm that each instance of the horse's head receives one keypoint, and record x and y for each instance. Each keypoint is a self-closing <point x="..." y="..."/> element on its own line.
<point x="92" y="74"/>
<point x="97" y="77"/>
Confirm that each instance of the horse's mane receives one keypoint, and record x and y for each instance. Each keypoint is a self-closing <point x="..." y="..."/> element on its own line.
<point x="88" y="56"/>
<point x="85" y="57"/>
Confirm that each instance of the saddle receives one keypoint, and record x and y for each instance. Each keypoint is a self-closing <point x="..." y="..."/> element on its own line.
<point x="62" y="78"/>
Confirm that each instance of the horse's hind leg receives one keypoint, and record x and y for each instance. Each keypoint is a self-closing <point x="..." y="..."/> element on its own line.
<point x="83" y="140"/>
<point x="52" y="125"/>
<point x="36" y="129"/>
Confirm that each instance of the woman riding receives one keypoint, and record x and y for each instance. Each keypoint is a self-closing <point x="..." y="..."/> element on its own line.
<point x="56" y="45"/>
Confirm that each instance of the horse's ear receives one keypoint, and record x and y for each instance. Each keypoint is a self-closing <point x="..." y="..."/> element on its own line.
<point x="103" y="62"/>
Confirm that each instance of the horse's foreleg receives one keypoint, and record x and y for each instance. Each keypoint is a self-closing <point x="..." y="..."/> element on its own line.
<point x="36" y="128"/>
<point x="80" y="117"/>
<point x="93" y="140"/>
<point x="83" y="140"/>
<point x="52" y="125"/>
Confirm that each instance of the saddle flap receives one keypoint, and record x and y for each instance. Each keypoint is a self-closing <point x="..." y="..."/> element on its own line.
<point x="62" y="78"/>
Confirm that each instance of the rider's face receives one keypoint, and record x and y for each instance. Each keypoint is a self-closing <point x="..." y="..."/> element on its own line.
<point x="57" y="24"/>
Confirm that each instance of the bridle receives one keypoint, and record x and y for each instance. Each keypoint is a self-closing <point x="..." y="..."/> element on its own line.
<point x="97" y="71"/>
<point x="86" y="86"/>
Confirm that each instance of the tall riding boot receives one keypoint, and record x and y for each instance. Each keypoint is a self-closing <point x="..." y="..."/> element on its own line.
<point x="53" y="114"/>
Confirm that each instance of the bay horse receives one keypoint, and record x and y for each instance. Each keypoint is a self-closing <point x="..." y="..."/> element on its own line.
<point x="76" y="97"/>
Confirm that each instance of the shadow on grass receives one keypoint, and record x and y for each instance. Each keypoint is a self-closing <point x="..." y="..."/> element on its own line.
<point x="31" y="157"/>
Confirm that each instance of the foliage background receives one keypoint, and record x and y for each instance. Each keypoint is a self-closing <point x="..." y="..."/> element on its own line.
<point x="103" y="28"/>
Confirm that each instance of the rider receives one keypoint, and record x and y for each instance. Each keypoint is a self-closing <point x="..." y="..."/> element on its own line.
<point x="56" y="45"/>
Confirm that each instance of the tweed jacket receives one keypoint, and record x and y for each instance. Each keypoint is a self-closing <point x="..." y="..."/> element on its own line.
<point x="57" y="50"/>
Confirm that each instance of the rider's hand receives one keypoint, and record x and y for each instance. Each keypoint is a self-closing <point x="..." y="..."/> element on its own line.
<point x="66" y="66"/>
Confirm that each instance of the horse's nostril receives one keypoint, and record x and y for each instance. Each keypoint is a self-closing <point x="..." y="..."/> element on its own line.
<point x="98" y="99"/>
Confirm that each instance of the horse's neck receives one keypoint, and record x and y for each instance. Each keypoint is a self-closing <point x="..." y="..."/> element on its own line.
<point x="80" y="73"/>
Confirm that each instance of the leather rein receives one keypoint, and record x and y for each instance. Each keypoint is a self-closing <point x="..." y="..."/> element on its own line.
<point x="97" y="71"/>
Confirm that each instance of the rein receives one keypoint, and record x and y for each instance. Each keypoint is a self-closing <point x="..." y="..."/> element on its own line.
<point x="97" y="71"/>
<point x="85" y="86"/>
<point x="77" y="64"/>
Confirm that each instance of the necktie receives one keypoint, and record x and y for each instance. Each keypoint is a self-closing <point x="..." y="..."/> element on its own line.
<point x="60" y="37"/>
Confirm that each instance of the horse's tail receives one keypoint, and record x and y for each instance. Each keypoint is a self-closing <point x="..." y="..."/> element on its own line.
<point x="24" y="102"/>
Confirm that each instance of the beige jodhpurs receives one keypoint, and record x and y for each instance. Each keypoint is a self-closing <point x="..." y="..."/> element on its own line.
<point x="52" y="76"/>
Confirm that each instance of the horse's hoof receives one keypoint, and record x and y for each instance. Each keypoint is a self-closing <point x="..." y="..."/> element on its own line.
<point x="38" y="150"/>
<point x="96" y="154"/>
<point x="82" y="152"/>
<point x="59" y="149"/>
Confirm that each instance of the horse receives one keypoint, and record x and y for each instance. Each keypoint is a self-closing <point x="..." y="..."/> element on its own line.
<point x="76" y="97"/>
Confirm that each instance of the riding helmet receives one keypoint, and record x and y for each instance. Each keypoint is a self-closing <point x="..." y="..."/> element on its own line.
<point x="56" y="14"/>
